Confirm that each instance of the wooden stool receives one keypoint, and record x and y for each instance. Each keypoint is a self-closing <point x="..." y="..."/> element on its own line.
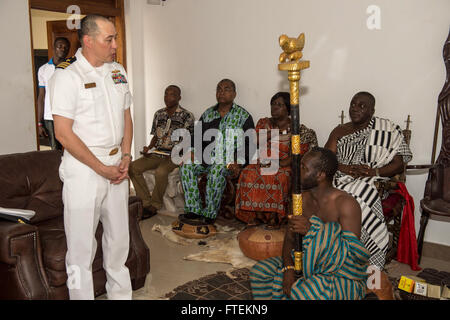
<point x="193" y="229"/>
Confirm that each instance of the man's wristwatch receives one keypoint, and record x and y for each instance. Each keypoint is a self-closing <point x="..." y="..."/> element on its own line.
<point x="127" y="155"/>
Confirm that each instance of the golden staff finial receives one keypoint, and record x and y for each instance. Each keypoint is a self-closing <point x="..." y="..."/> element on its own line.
<point x="290" y="61"/>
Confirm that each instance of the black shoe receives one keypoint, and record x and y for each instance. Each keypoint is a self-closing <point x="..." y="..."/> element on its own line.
<point x="209" y="220"/>
<point x="149" y="212"/>
<point x="191" y="216"/>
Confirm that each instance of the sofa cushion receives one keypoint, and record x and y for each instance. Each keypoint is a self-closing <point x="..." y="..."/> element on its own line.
<point x="56" y="278"/>
<point x="31" y="181"/>
<point x="54" y="249"/>
<point x="54" y="245"/>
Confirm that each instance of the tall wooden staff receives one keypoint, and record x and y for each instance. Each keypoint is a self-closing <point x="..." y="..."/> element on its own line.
<point x="290" y="61"/>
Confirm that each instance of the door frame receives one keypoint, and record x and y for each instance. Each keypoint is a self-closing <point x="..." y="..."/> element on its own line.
<point x="116" y="11"/>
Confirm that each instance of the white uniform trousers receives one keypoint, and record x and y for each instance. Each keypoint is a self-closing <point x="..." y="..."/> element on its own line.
<point x="89" y="198"/>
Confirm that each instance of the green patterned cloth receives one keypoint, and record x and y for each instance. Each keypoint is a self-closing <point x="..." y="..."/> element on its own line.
<point x="237" y="119"/>
<point x="334" y="267"/>
<point x="215" y="186"/>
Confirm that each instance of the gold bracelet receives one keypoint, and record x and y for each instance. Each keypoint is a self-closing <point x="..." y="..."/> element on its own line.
<point x="377" y="172"/>
<point x="287" y="268"/>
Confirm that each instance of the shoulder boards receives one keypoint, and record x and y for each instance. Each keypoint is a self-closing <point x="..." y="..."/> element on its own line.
<point x="66" y="63"/>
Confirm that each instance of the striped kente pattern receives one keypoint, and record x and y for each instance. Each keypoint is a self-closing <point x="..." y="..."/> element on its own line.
<point x="375" y="146"/>
<point x="334" y="267"/>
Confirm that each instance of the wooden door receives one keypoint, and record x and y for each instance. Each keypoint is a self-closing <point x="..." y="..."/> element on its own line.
<point x="56" y="29"/>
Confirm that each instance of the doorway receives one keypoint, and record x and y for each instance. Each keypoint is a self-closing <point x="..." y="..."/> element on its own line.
<point x="46" y="27"/>
<point x="48" y="21"/>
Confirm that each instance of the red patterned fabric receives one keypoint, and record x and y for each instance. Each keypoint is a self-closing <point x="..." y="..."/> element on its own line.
<point x="407" y="242"/>
<point x="269" y="193"/>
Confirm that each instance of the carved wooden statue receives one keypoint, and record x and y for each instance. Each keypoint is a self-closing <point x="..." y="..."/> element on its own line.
<point x="444" y="110"/>
<point x="436" y="199"/>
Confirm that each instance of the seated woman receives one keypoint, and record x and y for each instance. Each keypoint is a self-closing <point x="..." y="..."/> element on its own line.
<point x="262" y="198"/>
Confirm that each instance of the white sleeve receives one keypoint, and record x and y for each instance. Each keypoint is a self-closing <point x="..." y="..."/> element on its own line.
<point x="64" y="92"/>
<point x="128" y="95"/>
<point x="41" y="79"/>
<point x="128" y="99"/>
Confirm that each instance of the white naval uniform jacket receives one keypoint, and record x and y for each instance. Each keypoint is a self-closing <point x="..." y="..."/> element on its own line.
<point x="45" y="73"/>
<point x="92" y="99"/>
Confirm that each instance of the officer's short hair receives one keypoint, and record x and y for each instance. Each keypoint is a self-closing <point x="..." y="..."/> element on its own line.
<point x="88" y="26"/>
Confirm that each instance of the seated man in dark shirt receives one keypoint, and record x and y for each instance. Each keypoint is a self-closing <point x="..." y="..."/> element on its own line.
<point x="220" y="121"/>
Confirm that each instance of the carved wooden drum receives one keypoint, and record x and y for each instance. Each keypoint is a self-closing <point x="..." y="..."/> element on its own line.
<point x="259" y="243"/>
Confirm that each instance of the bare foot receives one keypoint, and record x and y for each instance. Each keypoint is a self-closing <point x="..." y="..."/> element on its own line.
<point x="253" y="222"/>
<point x="261" y="217"/>
<point x="273" y="223"/>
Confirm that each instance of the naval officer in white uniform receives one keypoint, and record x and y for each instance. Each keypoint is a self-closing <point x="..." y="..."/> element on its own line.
<point x="90" y="101"/>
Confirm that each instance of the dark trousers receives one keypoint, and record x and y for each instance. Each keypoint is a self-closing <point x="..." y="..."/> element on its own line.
<point x="54" y="144"/>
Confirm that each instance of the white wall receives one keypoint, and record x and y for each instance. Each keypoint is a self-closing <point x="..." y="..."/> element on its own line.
<point x="136" y="70"/>
<point x="17" y="115"/>
<point x="195" y="43"/>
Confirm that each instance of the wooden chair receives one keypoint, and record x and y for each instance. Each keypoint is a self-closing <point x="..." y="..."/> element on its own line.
<point x="436" y="200"/>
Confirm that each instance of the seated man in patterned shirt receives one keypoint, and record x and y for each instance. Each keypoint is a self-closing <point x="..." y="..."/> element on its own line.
<point x="157" y="154"/>
<point x="224" y="118"/>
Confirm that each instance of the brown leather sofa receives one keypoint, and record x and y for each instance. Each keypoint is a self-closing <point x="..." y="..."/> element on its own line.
<point x="32" y="256"/>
